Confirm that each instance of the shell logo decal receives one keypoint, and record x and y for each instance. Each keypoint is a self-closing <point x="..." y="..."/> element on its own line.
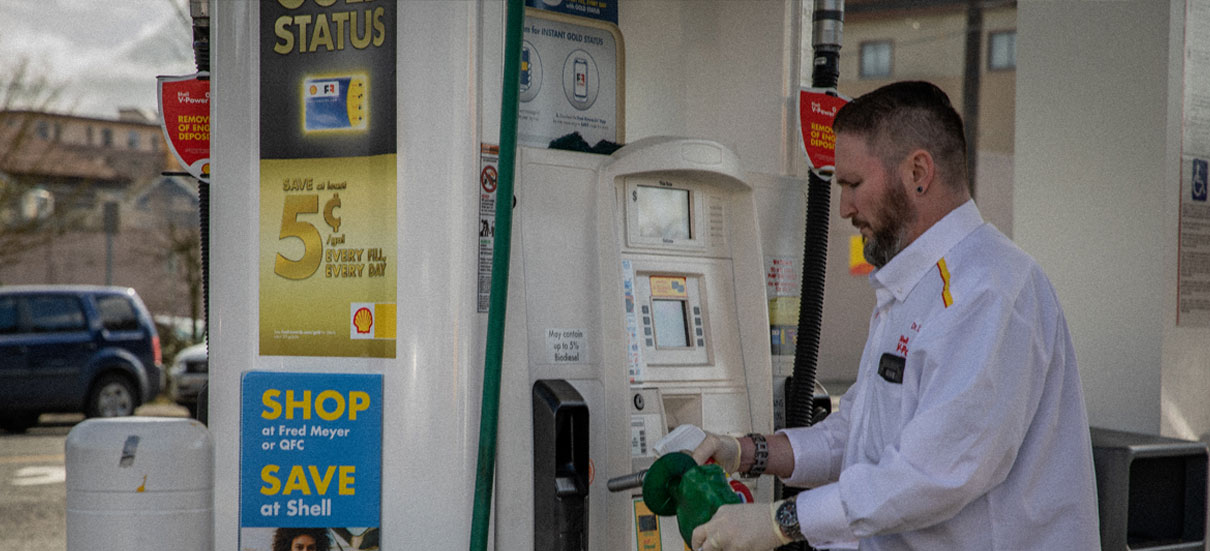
<point x="363" y="320"/>
<point x="371" y="320"/>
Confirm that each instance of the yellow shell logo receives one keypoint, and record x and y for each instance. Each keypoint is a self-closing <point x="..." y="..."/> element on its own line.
<point x="363" y="320"/>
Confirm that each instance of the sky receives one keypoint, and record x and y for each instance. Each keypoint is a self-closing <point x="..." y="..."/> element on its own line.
<point x="102" y="55"/>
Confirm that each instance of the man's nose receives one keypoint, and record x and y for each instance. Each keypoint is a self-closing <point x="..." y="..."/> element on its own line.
<point x="847" y="209"/>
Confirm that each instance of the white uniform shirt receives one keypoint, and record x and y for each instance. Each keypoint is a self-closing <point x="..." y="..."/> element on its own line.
<point x="966" y="427"/>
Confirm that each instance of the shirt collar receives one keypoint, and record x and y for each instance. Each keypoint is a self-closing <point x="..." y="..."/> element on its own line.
<point x="897" y="278"/>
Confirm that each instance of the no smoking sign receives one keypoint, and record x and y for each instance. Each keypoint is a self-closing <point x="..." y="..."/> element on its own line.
<point x="487" y="179"/>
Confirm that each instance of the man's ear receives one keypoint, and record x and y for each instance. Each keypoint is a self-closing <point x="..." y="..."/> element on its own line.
<point x="918" y="171"/>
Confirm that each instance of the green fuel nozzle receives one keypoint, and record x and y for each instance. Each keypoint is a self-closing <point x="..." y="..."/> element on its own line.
<point x="676" y="485"/>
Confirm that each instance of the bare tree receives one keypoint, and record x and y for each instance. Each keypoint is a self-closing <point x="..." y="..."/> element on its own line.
<point x="26" y="221"/>
<point x="184" y="246"/>
<point x="21" y="89"/>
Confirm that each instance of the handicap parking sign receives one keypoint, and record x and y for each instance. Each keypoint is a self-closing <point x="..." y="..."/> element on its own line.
<point x="1199" y="179"/>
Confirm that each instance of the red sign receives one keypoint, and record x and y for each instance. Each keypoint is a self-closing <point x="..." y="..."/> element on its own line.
<point x="185" y="118"/>
<point x="817" y="109"/>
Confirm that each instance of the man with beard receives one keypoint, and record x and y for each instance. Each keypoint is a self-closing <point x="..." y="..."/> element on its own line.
<point x="966" y="427"/>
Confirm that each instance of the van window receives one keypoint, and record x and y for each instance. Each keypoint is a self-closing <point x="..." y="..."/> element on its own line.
<point x="117" y="314"/>
<point x="51" y="314"/>
<point x="8" y="316"/>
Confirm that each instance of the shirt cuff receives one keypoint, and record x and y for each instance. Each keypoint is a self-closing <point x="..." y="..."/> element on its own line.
<point x="812" y="457"/>
<point x="821" y="517"/>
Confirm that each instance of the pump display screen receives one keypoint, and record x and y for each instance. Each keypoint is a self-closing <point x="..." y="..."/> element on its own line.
<point x="671" y="331"/>
<point x="663" y="213"/>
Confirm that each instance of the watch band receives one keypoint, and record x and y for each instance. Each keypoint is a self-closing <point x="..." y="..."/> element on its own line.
<point x="786" y="518"/>
<point x="760" y="456"/>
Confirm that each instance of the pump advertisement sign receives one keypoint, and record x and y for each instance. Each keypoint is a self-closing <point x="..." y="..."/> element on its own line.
<point x="310" y="457"/>
<point x="817" y="109"/>
<point x="570" y="80"/>
<point x="327" y="179"/>
<point x="185" y="120"/>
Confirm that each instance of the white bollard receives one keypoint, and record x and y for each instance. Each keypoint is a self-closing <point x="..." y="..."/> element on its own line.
<point x="136" y="482"/>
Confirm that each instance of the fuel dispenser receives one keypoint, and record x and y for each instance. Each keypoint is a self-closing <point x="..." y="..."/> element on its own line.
<point x="637" y="291"/>
<point x="693" y="283"/>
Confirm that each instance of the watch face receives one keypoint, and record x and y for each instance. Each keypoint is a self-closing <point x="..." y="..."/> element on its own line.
<point x="786" y="514"/>
<point x="787" y="518"/>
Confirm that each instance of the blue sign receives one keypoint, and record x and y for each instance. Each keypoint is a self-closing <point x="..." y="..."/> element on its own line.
<point x="310" y="450"/>
<point x="1199" y="180"/>
<point x="603" y="10"/>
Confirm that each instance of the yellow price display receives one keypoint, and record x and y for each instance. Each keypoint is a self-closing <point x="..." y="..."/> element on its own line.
<point x="327" y="238"/>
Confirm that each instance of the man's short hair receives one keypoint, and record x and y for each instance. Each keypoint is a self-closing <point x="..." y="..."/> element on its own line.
<point x="904" y="116"/>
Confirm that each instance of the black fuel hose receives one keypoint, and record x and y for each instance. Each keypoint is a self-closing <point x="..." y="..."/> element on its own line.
<point x="828" y="18"/>
<point x="827" y="24"/>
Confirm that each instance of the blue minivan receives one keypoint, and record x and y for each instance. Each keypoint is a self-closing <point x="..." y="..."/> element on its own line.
<point x="75" y="348"/>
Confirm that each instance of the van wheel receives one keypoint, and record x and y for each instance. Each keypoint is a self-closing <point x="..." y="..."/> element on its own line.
<point x="112" y="396"/>
<point x="18" y="423"/>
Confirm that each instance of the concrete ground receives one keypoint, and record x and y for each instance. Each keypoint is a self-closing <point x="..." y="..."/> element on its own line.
<point x="32" y="474"/>
<point x="162" y="409"/>
<point x="158" y="408"/>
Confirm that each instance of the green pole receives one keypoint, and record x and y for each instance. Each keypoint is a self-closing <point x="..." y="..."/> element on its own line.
<point x="490" y="408"/>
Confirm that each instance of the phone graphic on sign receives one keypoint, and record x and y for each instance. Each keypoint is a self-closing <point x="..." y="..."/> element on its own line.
<point x="581" y="73"/>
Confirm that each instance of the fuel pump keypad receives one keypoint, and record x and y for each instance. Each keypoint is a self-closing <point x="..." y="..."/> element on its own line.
<point x="647" y="332"/>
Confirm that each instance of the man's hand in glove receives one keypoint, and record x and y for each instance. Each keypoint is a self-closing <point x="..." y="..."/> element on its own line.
<point x="724" y="449"/>
<point x="742" y="527"/>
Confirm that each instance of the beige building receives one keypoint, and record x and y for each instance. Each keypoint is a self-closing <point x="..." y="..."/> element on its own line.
<point x="892" y="40"/>
<point x="60" y="173"/>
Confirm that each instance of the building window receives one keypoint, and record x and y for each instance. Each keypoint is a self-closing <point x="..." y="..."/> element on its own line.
<point x="107" y="137"/>
<point x="90" y="135"/>
<point x="43" y="130"/>
<point x="1002" y="51"/>
<point x="876" y="59"/>
<point x="132" y="139"/>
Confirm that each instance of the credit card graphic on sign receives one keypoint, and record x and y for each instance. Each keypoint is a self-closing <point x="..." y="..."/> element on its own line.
<point x="334" y="103"/>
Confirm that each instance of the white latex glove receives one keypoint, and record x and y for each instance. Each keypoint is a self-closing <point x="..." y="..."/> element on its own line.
<point x="743" y="527"/>
<point x="724" y="449"/>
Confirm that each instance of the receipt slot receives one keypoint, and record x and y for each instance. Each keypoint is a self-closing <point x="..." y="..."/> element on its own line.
<point x="561" y="469"/>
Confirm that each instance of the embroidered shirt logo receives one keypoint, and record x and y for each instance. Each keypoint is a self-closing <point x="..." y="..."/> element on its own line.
<point x="945" y="283"/>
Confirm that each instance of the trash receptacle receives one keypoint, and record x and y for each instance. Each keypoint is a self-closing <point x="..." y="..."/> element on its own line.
<point x="139" y="483"/>
<point x="1151" y="491"/>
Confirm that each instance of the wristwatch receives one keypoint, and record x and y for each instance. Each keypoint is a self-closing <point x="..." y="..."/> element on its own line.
<point x="760" y="456"/>
<point x="787" y="520"/>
